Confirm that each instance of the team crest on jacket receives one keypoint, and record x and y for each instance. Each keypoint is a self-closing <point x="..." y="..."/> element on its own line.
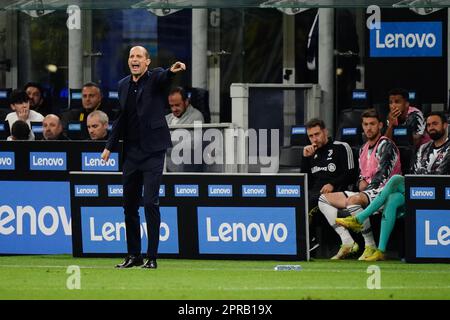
<point x="331" y="167"/>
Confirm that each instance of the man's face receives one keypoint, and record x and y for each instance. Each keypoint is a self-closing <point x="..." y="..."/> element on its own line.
<point x="177" y="105"/>
<point x="52" y="128"/>
<point x="21" y="106"/>
<point x="138" y="61"/>
<point x="35" y="96"/>
<point x="372" y="128"/>
<point x="91" y="98"/>
<point x="317" y="136"/>
<point x="435" y="127"/>
<point x="398" y="102"/>
<point x="96" y="129"/>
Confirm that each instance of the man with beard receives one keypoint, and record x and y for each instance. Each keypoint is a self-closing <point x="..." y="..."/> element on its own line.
<point x="37" y="101"/>
<point x="379" y="159"/>
<point x="330" y="167"/>
<point x="403" y="114"/>
<point x="432" y="158"/>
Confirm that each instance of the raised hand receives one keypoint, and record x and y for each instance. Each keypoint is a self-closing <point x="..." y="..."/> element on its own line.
<point x="310" y="150"/>
<point x="177" y="67"/>
<point x="23" y="113"/>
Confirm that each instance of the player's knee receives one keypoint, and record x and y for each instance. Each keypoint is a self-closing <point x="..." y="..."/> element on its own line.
<point x="357" y="199"/>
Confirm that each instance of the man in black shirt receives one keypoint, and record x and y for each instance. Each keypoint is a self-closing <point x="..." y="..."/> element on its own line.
<point x="52" y="128"/>
<point x="330" y="167"/>
<point x="91" y="100"/>
<point x="146" y="137"/>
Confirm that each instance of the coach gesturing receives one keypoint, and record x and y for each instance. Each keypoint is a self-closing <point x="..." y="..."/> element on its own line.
<point x="146" y="137"/>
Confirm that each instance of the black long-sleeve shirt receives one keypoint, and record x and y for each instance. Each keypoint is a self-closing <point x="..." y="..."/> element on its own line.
<point x="333" y="163"/>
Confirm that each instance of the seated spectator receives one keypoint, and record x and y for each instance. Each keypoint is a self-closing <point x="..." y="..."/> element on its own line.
<point x="182" y="112"/>
<point x="403" y="114"/>
<point x="20" y="104"/>
<point x="330" y="167"/>
<point x="20" y="131"/>
<point x="37" y="101"/>
<point x="432" y="158"/>
<point x="52" y="128"/>
<point x="97" y="125"/>
<point x="379" y="159"/>
<point x="91" y="100"/>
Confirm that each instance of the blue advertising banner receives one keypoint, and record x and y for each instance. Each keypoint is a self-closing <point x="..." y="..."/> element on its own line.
<point x="220" y="190"/>
<point x="433" y="233"/>
<point x="423" y="193"/>
<point x="7" y="161"/>
<point x="48" y="161"/>
<point x="288" y="191"/>
<point x="186" y="190"/>
<point x="86" y="190"/>
<point x="406" y="39"/>
<point x="246" y="230"/>
<point x="33" y="221"/>
<point x="92" y="161"/>
<point x="254" y="191"/>
<point x="103" y="230"/>
<point x="115" y="190"/>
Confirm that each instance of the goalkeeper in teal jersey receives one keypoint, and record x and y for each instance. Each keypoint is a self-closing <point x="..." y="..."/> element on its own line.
<point x="432" y="158"/>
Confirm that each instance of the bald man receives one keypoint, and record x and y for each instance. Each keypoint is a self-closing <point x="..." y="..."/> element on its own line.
<point x="52" y="128"/>
<point x="146" y="137"/>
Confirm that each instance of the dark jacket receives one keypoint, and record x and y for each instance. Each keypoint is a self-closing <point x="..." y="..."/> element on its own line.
<point x="154" y="134"/>
<point x="333" y="164"/>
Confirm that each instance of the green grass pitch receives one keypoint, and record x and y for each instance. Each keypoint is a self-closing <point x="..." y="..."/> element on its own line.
<point x="46" y="277"/>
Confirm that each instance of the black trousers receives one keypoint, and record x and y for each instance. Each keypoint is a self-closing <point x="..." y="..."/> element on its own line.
<point x="142" y="170"/>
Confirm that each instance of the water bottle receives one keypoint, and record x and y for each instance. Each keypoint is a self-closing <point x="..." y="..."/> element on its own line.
<point x="288" y="267"/>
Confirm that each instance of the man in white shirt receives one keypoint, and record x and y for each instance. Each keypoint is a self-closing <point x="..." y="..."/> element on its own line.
<point x="20" y="104"/>
<point x="182" y="111"/>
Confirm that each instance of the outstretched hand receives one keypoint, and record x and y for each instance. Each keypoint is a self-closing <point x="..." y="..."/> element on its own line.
<point x="177" y="67"/>
<point x="105" y="155"/>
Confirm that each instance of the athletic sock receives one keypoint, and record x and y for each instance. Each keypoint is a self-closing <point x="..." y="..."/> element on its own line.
<point x="330" y="214"/>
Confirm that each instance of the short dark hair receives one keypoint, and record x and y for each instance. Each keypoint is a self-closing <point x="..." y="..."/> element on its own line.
<point x="371" y="113"/>
<point x="20" y="130"/>
<point x="314" y="123"/>
<point x="399" y="92"/>
<point x="18" y="96"/>
<point x="439" y="114"/>
<point x="92" y="84"/>
<point x="34" y="85"/>
<point x="179" y="90"/>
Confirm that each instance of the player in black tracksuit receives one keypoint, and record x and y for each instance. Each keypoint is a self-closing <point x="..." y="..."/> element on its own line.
<point x="330" y="166"/>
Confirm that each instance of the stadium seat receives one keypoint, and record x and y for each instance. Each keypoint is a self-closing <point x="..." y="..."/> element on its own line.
<point x="403" y="139"/>
<point x="299" y="137"/>
<point x="402" y="136"/>
<point x="75" y="130"/>
<point x="352" y="135"/>
<point x="37" y="128"/>
<point x="199" y="99"/>
<point x="4" y="130"/>
<point x="349" y="119"/>
<point x="360" y="99"/>
<point x="290" y="159"/>
<point x="4" y="113"/>
<point x="383" y="110"/>
<point x="75" y="99"/>
<point x="4" y="98"/>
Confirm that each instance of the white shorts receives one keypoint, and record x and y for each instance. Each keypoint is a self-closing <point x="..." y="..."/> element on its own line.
<point x="371" y="193"/>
